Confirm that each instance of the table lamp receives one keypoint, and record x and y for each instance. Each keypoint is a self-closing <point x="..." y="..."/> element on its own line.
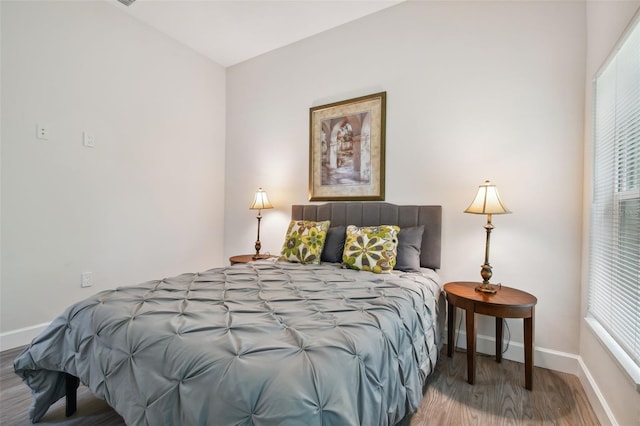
<point x="487" y="202"/>
<point x="259" y="202"/>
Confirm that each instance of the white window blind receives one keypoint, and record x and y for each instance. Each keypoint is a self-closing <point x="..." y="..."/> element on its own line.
<point x="614" y="280"/>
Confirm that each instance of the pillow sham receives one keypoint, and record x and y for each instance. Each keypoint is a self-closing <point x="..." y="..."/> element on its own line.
<point x="409" y="244"/>
<point x="371" y="248"/>
<point x="334" y="244"/>
<point x="304" y="241"/>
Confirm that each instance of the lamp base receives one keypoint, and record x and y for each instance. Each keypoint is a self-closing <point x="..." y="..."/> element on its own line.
<point x="487" y="288"/>
<point x="260" y="256"/>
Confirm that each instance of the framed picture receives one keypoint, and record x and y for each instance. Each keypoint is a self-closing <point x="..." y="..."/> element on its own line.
<point x="346" y="149"/>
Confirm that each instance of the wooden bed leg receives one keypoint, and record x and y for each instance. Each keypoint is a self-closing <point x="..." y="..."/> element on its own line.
<point x="71" y="390"/>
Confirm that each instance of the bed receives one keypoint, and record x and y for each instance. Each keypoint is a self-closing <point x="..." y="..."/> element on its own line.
<point x="265" y="343"/>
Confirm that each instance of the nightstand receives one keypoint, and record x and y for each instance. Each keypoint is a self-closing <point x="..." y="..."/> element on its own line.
<point x="245" y="258"/>
<point x="507" y="302"/>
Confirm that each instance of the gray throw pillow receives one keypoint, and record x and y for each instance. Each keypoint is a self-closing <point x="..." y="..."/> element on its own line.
<point x="334" y="244"/>
<point x="409" y="243"/>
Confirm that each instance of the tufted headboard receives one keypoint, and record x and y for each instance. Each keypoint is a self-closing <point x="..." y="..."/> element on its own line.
<point x="370" y="214"/>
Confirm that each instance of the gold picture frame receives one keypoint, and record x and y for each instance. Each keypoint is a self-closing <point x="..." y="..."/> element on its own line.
<point x="347" y="149"/>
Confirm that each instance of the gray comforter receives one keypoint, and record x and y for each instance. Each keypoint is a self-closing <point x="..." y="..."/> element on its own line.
<point x="268" y="343"/>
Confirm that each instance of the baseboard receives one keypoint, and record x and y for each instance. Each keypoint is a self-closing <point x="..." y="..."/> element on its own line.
<point x="20" y="337"/>
<point x="595" y="397"/>
<point x="553" y="360"/>
<point x="542" y="357"/>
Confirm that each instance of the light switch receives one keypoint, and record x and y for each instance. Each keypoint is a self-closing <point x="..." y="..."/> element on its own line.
<point x="88" y="140"/>
<point x="87" y="279"/>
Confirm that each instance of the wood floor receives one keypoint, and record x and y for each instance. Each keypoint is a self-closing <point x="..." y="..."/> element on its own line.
<point x="497" y="398"/>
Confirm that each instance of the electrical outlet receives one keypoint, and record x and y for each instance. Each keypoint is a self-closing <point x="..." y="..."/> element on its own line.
<point x="42" y="131"/>
<point x="88" y="140"/>
<point x="87" y="279"/>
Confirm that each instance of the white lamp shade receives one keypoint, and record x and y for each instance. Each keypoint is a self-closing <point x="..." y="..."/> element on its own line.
<point x="260" y="201"/>
<point x="487" y="201"/>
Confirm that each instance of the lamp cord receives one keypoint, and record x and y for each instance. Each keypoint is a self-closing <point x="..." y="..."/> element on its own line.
<point x="506" y="346"/>
<point x="455" y="346"/>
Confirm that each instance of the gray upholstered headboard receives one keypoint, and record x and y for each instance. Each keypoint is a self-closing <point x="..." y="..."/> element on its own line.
<point x="370" y="214"/>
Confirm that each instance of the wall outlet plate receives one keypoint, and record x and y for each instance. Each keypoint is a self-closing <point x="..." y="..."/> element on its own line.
<point x="42" y="131"/>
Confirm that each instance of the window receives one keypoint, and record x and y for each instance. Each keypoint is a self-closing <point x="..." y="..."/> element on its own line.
<point x="614" y="275"/>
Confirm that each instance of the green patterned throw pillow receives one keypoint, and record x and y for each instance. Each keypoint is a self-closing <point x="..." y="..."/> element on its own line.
<point x="371" y="248"/>
<point x="304" y="241"/>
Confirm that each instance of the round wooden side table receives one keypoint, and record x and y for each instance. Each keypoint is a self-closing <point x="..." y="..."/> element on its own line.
<point x="507" y="302"/>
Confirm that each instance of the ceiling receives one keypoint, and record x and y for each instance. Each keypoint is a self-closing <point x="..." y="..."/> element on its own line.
<point x="232" y="31"/>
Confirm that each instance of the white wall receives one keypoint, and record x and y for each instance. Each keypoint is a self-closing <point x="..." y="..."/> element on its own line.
<point x="606" y="22"/>
<point x="475" y="90"/>
<point x="145" y="202"/>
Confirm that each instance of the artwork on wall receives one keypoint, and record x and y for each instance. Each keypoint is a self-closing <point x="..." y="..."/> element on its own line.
<point x="346" y="149"/>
